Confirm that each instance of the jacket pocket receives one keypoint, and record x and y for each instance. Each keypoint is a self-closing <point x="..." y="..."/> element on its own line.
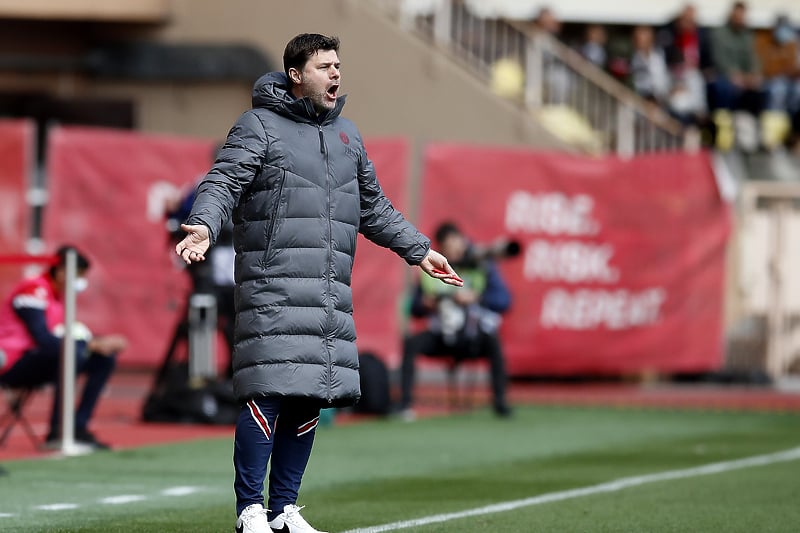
<point x="273" y="216"/>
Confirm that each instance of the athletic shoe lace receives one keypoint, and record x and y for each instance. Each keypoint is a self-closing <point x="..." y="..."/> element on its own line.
<point x="254" y="515"/>
<point x="293" y="515"/>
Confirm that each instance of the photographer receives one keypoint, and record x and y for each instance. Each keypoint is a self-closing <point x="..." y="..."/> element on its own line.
<point x="463" y="322"/>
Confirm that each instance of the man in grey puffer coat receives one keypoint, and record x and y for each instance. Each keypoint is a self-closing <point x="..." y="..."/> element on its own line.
<point x="296" y="179"/>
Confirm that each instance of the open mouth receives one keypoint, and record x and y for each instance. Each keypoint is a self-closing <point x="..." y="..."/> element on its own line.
<point x="333" y="91"/>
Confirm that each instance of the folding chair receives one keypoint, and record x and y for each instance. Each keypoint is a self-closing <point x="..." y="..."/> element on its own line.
<point x="461" y="393"/>
<point x="16" y="400"/>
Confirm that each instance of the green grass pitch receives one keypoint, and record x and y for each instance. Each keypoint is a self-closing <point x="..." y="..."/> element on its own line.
<point x="387" y="471"/>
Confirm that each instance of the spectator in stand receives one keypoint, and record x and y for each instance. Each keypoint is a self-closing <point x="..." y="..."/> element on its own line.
<point x="779" y="55"/>
<point x="557" y="79"/>
<point x="31" y="331"/>
<point x="649" y="73"/>
<point x="736" y="84"/>
<point x="547" y="22"/>
<point x="686" y="49"/>
<point x="684" y="42"/>
<point x="594" y="48"/>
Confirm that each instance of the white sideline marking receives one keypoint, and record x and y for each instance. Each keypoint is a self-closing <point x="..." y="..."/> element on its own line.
<point x="112" y="500"/>
<point x="57" y="506"/>
<point x="122" y="498"/>
<point x="611" y="486"/>
<point x="180" y="491"/>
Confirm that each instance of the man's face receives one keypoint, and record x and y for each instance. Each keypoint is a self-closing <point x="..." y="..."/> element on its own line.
<point x="454" y="246"/>
<point x="643" y="38"/>
<point x="60" y="277"/>
<point x="688" y="18"/>
<point x="319" y="80"/>
<point x="739" y="17"/>
<point x="596" y="34"/>
<point x="548" y="22"/>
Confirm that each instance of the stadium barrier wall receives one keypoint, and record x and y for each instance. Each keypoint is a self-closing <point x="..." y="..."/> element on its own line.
<point x="107" y="191"/>
<point x="623" y="261"/>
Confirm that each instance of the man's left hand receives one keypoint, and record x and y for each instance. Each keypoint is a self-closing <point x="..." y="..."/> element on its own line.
<point x="436" y="266"/>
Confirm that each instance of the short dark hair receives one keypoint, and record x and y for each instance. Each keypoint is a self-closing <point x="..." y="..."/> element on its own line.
<point x="445" y="230"/>
<point x="303" y="46"/>
<point x="60" y="259"/>
<point x="739" y="5"/>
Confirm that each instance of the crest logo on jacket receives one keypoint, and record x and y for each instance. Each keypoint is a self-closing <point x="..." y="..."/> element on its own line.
<point x="343" y="136"/>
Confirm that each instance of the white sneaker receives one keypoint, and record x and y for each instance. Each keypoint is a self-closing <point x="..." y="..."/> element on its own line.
<point x="253" y="520"/>
<point x="290" y="521"/>
<point x="408" y="415"/>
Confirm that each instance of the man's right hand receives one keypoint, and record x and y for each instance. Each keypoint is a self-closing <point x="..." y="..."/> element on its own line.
<point x="193" y="247"/>
<point x="108" y="344"/>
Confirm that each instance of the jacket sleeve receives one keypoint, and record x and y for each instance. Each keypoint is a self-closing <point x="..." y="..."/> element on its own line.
<point x="496" y="296"/>
<point x="36" y="324"/>
<point x="418" y="307"/>
<point x="238" y="162"/>
<point x="382" y="223"/>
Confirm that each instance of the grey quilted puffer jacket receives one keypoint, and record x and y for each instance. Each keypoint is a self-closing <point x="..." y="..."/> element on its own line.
<point x="299" y="187"/>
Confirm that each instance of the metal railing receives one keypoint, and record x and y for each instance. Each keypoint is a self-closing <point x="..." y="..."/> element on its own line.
<point x="551" y="74"/>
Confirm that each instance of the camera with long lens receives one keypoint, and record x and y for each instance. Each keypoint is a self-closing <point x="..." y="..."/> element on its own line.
<point x="496" y="250"/>
<point x="459" y="323"/>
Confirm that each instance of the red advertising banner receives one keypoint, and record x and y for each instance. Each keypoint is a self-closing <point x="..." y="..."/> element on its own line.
<point x="16" y="160"/>
<point x="622" y="261"/>
<point x="378" y="274"/>
<point x="107" y="192"/>
<point x="107" y="195"/>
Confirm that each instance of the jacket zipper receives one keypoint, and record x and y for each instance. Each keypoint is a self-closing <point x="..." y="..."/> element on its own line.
<point x="328" y="322"/>
<point x="274" y="215"/>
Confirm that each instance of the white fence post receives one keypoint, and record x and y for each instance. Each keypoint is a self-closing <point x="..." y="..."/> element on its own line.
<point x="777" y="314"/>
<point x="443" y="23"/>
<point x="67" y="367"/>
<point x="626" y="134"/>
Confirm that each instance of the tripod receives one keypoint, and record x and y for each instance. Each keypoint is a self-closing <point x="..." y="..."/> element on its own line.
<point x="192" y="392"/>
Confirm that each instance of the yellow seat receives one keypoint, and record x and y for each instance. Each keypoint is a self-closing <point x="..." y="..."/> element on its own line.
<point x="571" y="127"/>
<point x="507" y="79"/>
<point x="775" y="128"/>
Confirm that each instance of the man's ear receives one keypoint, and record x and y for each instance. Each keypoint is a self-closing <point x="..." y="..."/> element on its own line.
<point x="294" y="76"/>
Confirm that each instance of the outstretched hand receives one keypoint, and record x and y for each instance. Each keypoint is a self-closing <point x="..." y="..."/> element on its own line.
<point x="193" y="247"/>
<point x="108" y="344"/>
<point x="436" y="266"/>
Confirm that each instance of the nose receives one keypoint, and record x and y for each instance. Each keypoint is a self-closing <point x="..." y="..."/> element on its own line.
<point x="334" y="72"/>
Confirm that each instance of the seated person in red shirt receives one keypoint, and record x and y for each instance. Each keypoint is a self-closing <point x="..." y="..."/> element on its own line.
<point x="31" y="327"/>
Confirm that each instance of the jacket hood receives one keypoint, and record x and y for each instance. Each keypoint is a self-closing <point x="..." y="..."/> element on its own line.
<point x="271" y="91"/>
